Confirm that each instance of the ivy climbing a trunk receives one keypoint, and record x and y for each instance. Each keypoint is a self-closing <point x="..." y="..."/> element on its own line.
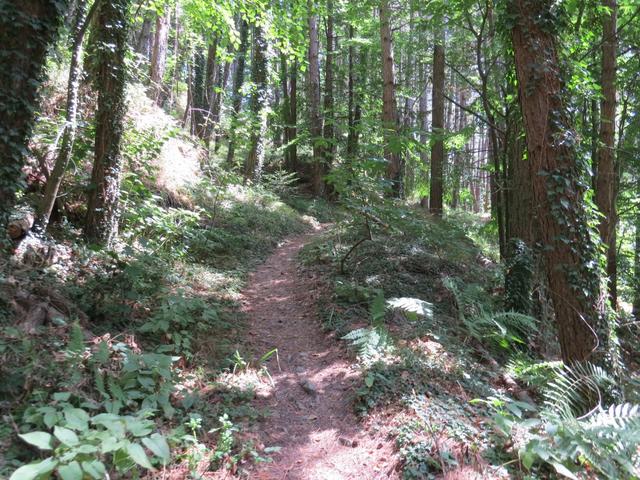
<point x="569" y="251"/>
<point x="27" y="29"/>
<point x="101" y="224"/>
<point x="68" y="137"/>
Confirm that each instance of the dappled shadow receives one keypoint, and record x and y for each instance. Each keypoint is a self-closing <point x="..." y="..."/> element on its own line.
<point x="311" y="419"/>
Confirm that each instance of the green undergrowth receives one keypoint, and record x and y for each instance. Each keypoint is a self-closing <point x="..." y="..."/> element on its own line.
<point x="135" y="367"/>
<point x="419" y="302"/>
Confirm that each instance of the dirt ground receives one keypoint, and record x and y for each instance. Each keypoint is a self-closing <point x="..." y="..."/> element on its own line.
<point x="311" y="403"/>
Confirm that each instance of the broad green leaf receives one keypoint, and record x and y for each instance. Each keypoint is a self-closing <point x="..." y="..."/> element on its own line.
<point x="66" y="436"/>
<point x="76" y="418"/>
<point x="34" y="470"/>
<point x="71" y="471"/>
<point x="42" y="440"/>
<point x="158" y="445"/>
<point x="138" y="455"/>
<point x="95" y="469"/>
<point x="562" y="470"/>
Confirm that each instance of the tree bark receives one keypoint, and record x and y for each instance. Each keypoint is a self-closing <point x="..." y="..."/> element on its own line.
<point x="144" y="41"/>
<point x="101" y="225"/>
<point x="605" y="197"/>
<point x="68" y="137"/>
<point x="569" y="251"/>
<point x="437" y="127"/>
<point x="389" y="105"/>
<point x="27" y="29"/>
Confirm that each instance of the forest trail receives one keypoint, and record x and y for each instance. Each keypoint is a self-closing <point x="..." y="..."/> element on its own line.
<point x="310" y="405"/>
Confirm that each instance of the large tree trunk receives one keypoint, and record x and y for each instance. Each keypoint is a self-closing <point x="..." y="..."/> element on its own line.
<point x="259" y="106"/>
<point x="605" y="197"/>
<point x="389" y="106"/>
<point x="27" y="29"/>
<point x="238" y="81"/>
<point x="68" y="137"/>
<point x="157" y="90"/>
<point x="569" y="251"/>
<point x="315" y="119"/>
<point x="101" y="224"/>
<point x="437" y="127"/>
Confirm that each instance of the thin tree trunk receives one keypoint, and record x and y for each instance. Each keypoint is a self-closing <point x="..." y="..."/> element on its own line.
<point x="68" y="137"/>
<point x="101" y="224"/>
<point x="437" y="126"/>
<point x="351" y="100"/>
<point x="259" y="105"/>
<point x="27" y="29"/>
<point x="636" y="271"/>
<point x="198" y="96"/>
<point x="216" y="116"/>
<point x="329" y="141"/>
<point x="157" y="91"/>
<point x="144" y="41"/>
<point x="389" y="106"/>
<point x="315" y="119"/>
<point x="605" y="197"/>
<point x="293" y="118"/>
<point x="238" y="81"/>
<point x="568" y="249"/>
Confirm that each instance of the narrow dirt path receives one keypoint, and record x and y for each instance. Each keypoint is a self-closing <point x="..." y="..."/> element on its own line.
<point x="311" y="413"/>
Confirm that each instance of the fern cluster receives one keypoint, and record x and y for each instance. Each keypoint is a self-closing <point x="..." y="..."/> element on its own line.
<point x="573" y="432"/>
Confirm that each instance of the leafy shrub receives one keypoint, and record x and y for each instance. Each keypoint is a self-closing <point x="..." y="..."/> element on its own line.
<point x="502" y="330"/>
<point x="180" y="318"/>
<point x="571" y="435"/>
<point x="82" y="445"/>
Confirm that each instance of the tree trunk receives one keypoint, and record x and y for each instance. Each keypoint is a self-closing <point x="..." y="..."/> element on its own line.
<point x="389" y="106"/>
<point x="259" y="106"/>
<point x="351" y="100"/>
<point x="292" y="149"/>
<point x="216" y="116"/>
<point x="101" y="224"/>
<point x="143" y="42"/>
<point x="238" y="81"/>
<point x="198" y="96"/>
<point x="315" y="119"/>
<point x="569" y="251"/>
<point x="329" y="141"/>
<point x="437" y="127"/>
<point x="636" y="271"/>
<point x="157" y="91"/>
<point x="68" y="137"/>
<point x="605" y="197"/>
<point x="27" y="29"/>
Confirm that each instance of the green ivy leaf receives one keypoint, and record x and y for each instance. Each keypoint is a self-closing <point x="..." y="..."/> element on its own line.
<point x="42" y="440"/>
